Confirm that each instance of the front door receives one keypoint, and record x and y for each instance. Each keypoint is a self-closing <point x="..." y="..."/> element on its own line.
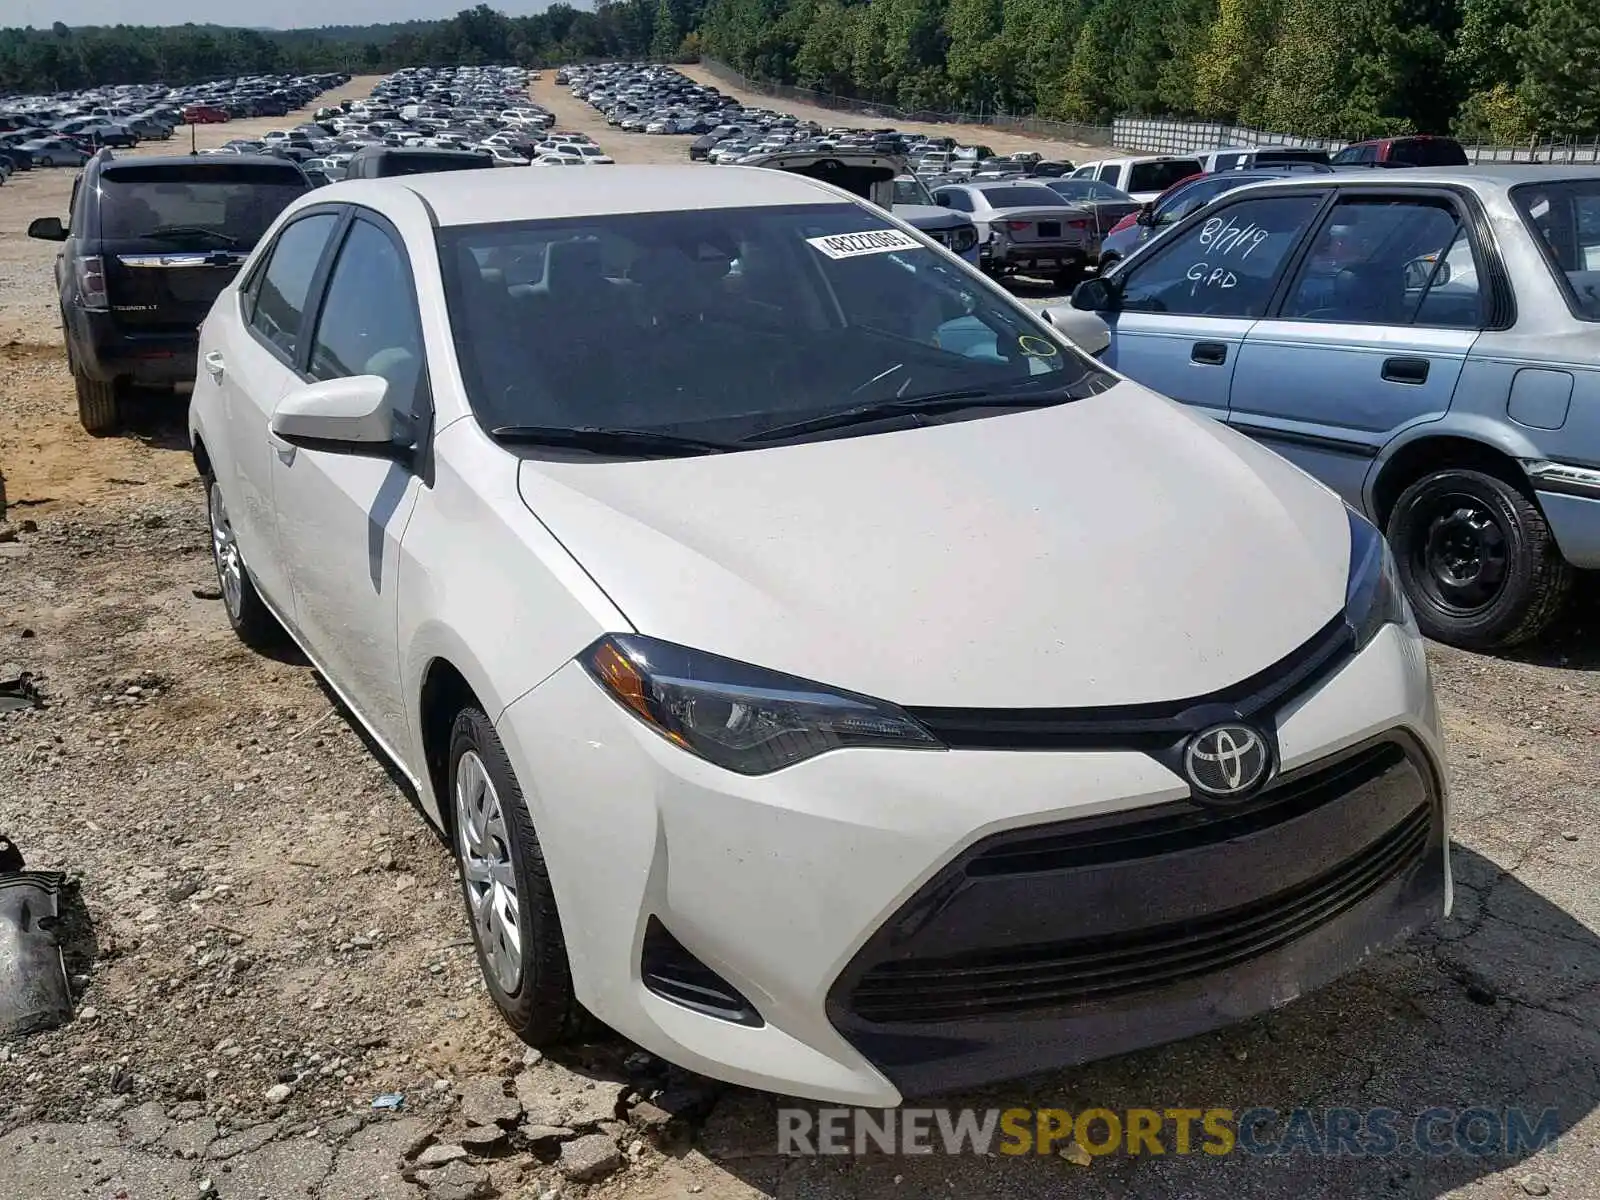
<point x="1186" y="304"/>
<point x="341" y="515"/>
<point x="1370" y="338"/>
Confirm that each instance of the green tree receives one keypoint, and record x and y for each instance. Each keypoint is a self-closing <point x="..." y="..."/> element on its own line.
<point x="1228" y="72"/>
<point x="1561" y="67"/>
<point x="666" y="36"/>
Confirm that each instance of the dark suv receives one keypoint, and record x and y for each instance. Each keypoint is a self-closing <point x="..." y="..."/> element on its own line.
<point x="1421" y="150"/>
<point x="149" y="244"/>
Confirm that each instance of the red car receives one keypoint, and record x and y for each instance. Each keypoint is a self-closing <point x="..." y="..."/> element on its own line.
<point x="1132" y="219"/>
<point x="1421" y="150"/>
<point x="204" y="114"/>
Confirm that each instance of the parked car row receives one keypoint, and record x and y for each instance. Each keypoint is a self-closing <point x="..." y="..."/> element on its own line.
<point x="450" y="117"/>
<point x="66" y="129"/>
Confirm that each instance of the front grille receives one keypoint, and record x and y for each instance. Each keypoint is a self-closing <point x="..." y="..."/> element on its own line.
<point x="1174" y="828"/>
<point x="1049" y="229"/>
<point x="1148" y="727"/>
<point x="1090" y="970"/>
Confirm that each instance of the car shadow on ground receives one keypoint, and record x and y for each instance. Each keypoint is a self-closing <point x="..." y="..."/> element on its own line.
<point x="1497" y="1009"/>
<point x="159" y="419"/>
<point x="1573" y="642"/>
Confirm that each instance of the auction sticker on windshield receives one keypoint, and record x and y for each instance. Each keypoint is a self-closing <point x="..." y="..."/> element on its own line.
<point x="874" y="241"/>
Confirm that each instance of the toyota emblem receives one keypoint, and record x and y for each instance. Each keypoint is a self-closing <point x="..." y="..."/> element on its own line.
<point x="1226" y="761"/>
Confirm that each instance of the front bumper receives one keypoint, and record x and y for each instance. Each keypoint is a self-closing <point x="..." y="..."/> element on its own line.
<point x="796" y="888"/>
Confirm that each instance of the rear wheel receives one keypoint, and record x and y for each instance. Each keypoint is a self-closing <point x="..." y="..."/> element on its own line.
<point x="249" y="616"/>
<point x="1478" y="560"/>
<point x="99" y="406"/>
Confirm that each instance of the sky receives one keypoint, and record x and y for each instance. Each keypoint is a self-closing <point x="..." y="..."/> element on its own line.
<point x="276" y="14"/>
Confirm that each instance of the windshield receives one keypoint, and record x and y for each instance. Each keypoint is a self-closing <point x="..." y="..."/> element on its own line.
<point x="1565" y="219"/>
<point x="1023" y="196"/>
<point x="234" y="205"/>
<point x="1159" y="176"/>
<point x="1089" y="189"/>
<point x="726" y="323"/>
<point x="912" y="191"/>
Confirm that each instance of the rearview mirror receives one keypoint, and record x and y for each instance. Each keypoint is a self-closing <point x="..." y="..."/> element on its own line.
<point x="47" y="229"/>
<point x="1085" y="330"/>
<point x="350" y="415"/>
<point x="1095" y="295"/>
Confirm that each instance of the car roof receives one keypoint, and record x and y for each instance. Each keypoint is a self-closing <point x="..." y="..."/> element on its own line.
<point x="1491" y="178"/>
<point x="489" y="197"/>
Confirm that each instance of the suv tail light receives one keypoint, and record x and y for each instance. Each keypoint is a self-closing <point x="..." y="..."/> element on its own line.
<point x="90" y="270"/>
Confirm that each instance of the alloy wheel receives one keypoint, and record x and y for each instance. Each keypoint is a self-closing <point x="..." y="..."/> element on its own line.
<point x="225" y="553"/>
<point x="487" y="871"/>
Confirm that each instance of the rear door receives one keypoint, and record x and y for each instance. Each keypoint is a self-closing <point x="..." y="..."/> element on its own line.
<point x="248" y="354"/>
<point x="1187" y="303"/>
<point x="1369" y="338"/>
<point x="175" y="234"/>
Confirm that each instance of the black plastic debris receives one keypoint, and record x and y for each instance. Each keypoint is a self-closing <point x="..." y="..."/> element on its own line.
<point x="34" y="991"/>
<point x="18" y="690"/>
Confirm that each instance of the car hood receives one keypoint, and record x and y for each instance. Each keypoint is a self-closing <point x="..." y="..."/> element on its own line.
<point x="1116" y="550"/>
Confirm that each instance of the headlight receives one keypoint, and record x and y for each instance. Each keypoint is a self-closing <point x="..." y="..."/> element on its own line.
<point x="1374" y="597"/>
<point x="963" y="239"/>
<point x="741" y="717"/>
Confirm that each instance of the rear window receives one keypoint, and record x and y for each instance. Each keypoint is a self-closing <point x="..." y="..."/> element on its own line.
<point x="1565" y="220"/>
<point x="1159" y="176"/>
<point x="1021" y="197"/>
<point x="1428" y="152"/>
<point x="228" y="203"/>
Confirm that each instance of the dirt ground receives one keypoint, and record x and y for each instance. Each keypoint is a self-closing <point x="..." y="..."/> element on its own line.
<point x="265" y="936"/>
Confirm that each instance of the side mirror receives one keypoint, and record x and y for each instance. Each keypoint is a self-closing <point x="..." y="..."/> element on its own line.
<point x="351" y="415"/>
<point x="47" y="229"/>
<point x="1095" y="295"/>
<point x="1147" y="214"/>
<point x="1085" y="330"/>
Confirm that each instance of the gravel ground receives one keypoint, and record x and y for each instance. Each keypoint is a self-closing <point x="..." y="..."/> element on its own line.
<point x="264" y="935"/>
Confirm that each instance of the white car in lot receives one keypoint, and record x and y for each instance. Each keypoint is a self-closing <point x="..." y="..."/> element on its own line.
<point x="825" y="674"/>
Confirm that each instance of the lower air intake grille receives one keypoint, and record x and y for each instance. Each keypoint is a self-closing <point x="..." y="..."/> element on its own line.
<point x="1088" y="970"/>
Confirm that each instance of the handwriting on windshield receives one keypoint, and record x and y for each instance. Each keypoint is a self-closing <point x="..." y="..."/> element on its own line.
<point x="1223" y="239"/>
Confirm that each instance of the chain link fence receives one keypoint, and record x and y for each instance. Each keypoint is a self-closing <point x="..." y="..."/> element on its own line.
<point x="1160" y="135"/>
<point x="1056" y="131"/>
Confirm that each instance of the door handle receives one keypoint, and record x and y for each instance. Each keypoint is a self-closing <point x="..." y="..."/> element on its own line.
<point x="215" y="365"/>
<point x="1211" y="354"/>
<point x="1405" y="370"/>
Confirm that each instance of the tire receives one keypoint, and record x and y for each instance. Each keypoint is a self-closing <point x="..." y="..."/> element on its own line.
<point x="530" y="982"/>
<point x="1477" y="559"/>
<point x="251" y="619"/>
<point x="99" y="407"/>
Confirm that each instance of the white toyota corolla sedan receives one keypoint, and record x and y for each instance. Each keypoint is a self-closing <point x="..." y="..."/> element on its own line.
<point x="826" y="675"/>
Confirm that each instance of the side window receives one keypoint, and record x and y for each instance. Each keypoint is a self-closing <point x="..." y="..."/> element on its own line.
<point x="1367" y="154"/>
<point x="1227" y="162"/>
<point x="1389" y="262"/>
<point x="1084" y="172"/>
<point x="1224" y="266"/>
<point x="957" y="200"/>
<point x="369" y="324"/>
<point x="1346" y="156"/>
<point x="1109" y="173"/>
<point x="281" y="286"/>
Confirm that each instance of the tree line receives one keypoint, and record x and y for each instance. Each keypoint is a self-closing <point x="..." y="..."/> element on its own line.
<point x="1492" y="69"/>
<point x="60" y="58"/>
<point x="1500" y="70"/>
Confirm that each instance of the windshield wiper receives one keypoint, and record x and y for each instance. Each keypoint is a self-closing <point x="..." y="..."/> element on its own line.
<point x="609" y="441"/>
<point x="167" y="231"/>
<point x="934" y="402"/>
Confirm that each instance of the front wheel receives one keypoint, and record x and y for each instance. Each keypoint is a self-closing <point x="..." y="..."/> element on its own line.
<point x="510" y="904"/>
<point x="1478" y="560"/>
